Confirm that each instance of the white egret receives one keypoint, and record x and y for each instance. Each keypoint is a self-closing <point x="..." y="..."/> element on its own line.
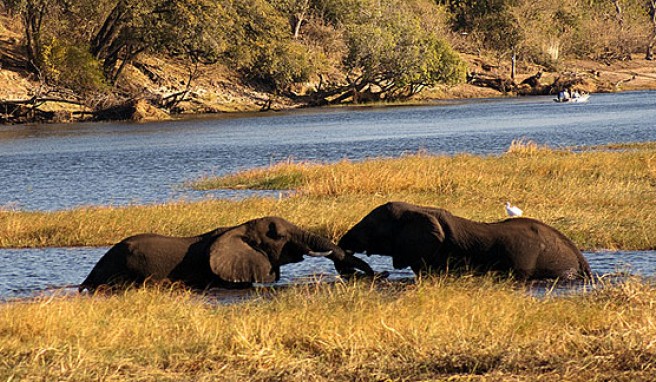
<point x="513" y="211"/>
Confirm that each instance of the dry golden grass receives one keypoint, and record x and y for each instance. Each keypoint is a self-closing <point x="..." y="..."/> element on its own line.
<point x="438" y="329"/>
<point x="597" y="197"/>
<point x="469" y="328"/>
<point x="600" y="197"/>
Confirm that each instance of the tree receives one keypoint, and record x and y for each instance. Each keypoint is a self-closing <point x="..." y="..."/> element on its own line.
<point x="261" y="47"/>
<point x="298" y="12"/>
<point x="33" y="13"/>
<point x="194" y="31"/>
<point x="502" y="34"/>
<point x="651" y="41"/>
<point x="467" y="14"/>
<point x="128" y="29"/>
<point x="189" y="28"/>
<point x="391" y="56"/>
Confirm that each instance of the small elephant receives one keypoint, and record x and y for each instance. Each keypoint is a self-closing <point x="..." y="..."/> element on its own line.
<point x="431" y="239"/>
<point x="226" y="257"/>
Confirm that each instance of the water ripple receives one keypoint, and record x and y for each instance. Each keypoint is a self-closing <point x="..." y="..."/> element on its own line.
<point x="31" y="272"/>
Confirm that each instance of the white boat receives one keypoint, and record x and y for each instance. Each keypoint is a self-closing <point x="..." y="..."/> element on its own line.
<point x="579" y="99"/>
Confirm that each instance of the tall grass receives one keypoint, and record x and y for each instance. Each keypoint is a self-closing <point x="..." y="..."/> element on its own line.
<point x="469" y="328"/>
<point x="601" y="197"/>
<point x="443" y="328"/>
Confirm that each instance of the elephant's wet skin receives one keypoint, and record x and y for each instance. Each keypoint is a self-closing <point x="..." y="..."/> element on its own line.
<point x="428" y="239"/>
<point x="225" y="257"/>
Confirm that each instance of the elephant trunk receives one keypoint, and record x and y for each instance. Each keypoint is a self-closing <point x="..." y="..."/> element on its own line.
<point x="317" y="243"/>
<point x="345" y="264"/>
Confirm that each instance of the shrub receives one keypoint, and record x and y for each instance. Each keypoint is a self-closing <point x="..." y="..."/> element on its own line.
<point x="72" y="67"/>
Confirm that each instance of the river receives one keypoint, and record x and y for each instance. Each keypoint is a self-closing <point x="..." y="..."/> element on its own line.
<point x="55" y="167"/>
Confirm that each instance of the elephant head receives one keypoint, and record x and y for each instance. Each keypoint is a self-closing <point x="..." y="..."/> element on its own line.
<point x="431" y="239"/>
<point x="255" y="250"/>
<point x="409" y="235"/>
<point x="229" y="257"/>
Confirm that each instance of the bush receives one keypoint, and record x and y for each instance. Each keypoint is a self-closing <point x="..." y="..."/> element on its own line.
<point x="72" y="67"/>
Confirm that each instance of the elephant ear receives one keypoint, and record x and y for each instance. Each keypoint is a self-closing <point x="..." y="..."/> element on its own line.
<point x="233" y="259"/>
<point x="418" y="240"/>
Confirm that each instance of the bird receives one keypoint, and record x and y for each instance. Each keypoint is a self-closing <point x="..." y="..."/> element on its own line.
<point x="513" y="211"/>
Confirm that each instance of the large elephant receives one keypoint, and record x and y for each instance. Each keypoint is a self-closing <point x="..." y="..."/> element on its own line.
<point x="431" y="239"/>
<point x="225" y="257"/>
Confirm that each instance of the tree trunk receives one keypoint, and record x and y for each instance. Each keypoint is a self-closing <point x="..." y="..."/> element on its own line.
<point x="298" y="21"/>
<point x="619" y="15"/>
<point x="299" y="17"/>
<point x="652" y="39"/>
<point x="110" y="29"/>
<point x="33" y="18"/>
<point x="513" y="64"/>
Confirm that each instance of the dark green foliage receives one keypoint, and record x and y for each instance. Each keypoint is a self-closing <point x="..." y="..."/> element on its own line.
<point x="261" y="45"/>
<point x="468" y="14"/>
<point x="391" y="52"/>
<point x="371" y="48"/>
<point x="73" y="67"/>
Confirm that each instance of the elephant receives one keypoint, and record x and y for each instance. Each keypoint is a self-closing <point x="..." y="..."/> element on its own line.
<point x="428" y="239"/>
<point x="228" y="257"/>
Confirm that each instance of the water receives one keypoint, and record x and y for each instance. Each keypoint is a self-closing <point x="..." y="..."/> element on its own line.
<point x="54" y="167"/>
<point x="33" y="272"/>
<point x="63" y="166"/>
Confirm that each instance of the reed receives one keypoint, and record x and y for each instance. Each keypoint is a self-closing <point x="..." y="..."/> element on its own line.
<point x="443" y="328"/>
<point x="599" y="196"/>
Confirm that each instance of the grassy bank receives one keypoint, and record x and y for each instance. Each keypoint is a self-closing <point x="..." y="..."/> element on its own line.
<point x="455" y="329"/>
<point x="600" y="197"/>
<point x="443" y="328"/>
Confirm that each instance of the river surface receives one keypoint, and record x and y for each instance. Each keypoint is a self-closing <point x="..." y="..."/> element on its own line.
<point x="55" y="167"/>
<point x="44" y="271"/>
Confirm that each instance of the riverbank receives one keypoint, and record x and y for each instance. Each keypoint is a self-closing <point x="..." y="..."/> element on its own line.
<point x="595" y="196"/>
<point x="217" y="89"/>
<point x="438" y="329"/>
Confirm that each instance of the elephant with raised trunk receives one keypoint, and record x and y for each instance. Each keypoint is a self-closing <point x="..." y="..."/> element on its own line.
<point x="225" y="257"/>
<point x="430" y="239"/>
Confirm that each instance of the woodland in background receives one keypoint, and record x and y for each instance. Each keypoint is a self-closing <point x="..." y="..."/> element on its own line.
<point x="339" y="50"/>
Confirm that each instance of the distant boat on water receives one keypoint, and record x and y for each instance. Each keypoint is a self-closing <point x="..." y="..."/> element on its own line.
<point x="580" y="99"/>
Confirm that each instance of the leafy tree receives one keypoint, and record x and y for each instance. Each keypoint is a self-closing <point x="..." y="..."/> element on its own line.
<point x="651" y="41"/>
<point x="298" y="12"/>
<point x="544" y="30"/>
<point x="392" y="56"/>
<point x="128" y="29"/>
<point x="34" y="14"/>
<point x="468" y="14"/>
<point x="344" y="12"/>
<point x="261" y="47"/>
<point x="72" y="67"/>
<point x="192" y="28"/>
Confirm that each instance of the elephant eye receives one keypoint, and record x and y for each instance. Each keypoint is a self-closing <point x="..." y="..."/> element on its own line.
<point x="274" y="233"/>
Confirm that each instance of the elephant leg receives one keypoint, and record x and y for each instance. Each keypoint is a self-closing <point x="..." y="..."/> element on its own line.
<point x="424" y="267"/>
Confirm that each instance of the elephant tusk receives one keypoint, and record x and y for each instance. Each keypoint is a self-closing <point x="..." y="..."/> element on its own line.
<point x="352" y="253"/>
<point x="320" y="254"/>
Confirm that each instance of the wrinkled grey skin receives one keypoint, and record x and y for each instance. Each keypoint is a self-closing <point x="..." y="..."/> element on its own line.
<point x="225" y="257"/>
<point x="430" y="239"/>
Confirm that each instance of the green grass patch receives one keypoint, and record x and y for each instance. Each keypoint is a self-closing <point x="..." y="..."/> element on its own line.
<point x="285" y="176"/>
